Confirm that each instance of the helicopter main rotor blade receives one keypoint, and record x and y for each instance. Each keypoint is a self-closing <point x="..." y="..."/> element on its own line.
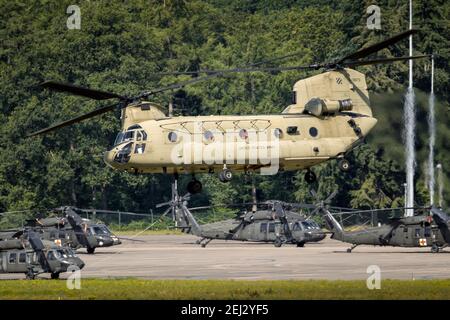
<point x="174" y="86"/>
<point x="238" y="69"/>
<point x="75" y="120"/>
<point x="361" y="53"/>
<point x="80" y="91"/>
<point x="384" y="60"/>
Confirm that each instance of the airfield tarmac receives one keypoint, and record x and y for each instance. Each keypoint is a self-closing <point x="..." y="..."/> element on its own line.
<point x="178" y="257"/>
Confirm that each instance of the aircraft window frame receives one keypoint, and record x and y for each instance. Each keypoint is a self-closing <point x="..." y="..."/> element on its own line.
<point x="139" y="148"/>
<point x="134" y="127"/>
<point x="292" y="130"/>
<point x="125" y="136"/>
<point x="12" y="260"/>
<point x="51" y="255"/>
<point x="313" y="132"/>
<point x="271" y="228"/>
<point x="172" y="136"/>
<point x="307" y="225"/>
<point x="104" y="231"/>
<point x="243" y="134"/>
<point x="263" y="227"/>
<point x="417" y="233"/>
<point x="208" y="135"/>
<point x="278" y="133"/>
<point x="22" y="257"/>
<point x="294" y="97"/>
<point x="427" y="232"/>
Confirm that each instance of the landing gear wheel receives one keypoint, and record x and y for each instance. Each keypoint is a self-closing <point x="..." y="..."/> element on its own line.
<point x="278" y="243"/>
<point x="435" y="248"/>
<point x="226" y="175"/>
<point x="90" y="250"/>
<point x="344" y="165"/>
<point x="300" y="244"/>
<point x="203" y="245"/>
<point x="194" y="187"/>
<point x="310" y="177"/>
<point x="349" y="250"/>
<point x="30" y="275"/>
<point x="54" y="275"/>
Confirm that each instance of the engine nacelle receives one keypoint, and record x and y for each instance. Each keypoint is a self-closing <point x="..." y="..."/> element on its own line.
<point x="319" y="107"/>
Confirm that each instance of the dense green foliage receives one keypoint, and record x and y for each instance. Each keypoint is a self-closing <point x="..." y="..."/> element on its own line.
<point x="122" y="43"/>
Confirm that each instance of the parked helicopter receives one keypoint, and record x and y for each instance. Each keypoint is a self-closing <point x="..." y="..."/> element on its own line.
<point x="330" y="115"/>
<point x="70" y="230"/>
<point x="32" y="256"/>
<point x="273" y="224"/>
<point x="415" y="231"/>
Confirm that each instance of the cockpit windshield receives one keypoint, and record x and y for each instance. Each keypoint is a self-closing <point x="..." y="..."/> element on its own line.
<point x="307" y="225"/>
<point x="64" y="253"/>
<point x="101" y="230"/>
<point x="133" y="133"/>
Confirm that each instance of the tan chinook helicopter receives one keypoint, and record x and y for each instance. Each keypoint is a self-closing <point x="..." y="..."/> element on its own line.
<point x="330" y="115"/>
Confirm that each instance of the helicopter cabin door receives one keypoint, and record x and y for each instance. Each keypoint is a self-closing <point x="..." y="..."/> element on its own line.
<point x="3" y="257"/>
<point x="16" y="261"/>
<point x="407" y="240"/>
<point x="273" y="231"/>
<point x="263" y="226"/>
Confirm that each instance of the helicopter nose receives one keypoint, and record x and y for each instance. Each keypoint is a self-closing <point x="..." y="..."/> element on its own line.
<point x="366" y="124"/>
<point x="108" y="158"/>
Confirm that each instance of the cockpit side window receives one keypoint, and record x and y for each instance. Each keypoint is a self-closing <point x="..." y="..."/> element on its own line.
<point x="12" y="258"/>
<point x="51" y="255"/>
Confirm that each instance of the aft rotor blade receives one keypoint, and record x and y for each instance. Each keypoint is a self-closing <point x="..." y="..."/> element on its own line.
<point x="80" y="91"/>
<point x="377" y="46"/>
<point x="383" y="60"/>
<point x="75" y="120"/>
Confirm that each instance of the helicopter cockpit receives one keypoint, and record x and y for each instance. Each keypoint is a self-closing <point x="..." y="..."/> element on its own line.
<point x="103" y="235"/>
<point x="134" y="135"/>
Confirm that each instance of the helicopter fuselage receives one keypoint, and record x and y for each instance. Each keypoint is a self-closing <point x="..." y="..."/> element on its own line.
<point x="239" y="143"/>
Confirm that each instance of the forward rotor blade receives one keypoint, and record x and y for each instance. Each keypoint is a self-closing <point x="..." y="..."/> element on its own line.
<point x="75" y="120"/>
<point x="383" y="60"/>
<point x="377" y="46"/>
<point x="249" y="69"/>
<point x="80" y="91"/>
<point x="174" y="86"/>
<point x="230" y="70"/>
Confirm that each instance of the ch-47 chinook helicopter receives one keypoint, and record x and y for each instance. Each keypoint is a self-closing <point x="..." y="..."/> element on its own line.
<point x="417" y="231"/>
<point x="32" y="256"/>
<point x="274" y="224"/>
<point x="330" y="115"/>
<point x="69" y="229"/>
